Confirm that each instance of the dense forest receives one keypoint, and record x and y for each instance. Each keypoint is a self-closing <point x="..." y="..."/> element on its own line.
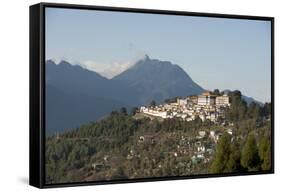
<point x="126" y="145"/>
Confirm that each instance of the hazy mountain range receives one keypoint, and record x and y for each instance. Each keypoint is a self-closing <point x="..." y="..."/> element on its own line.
<point x="75" y="95"/>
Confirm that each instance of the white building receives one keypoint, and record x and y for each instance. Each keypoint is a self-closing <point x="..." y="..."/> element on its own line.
<point x="211" y="116"/>
<point x="206" y="98"/>
<point x="181" y="102"/>
<point x="143" y="109"/>
<point x="213" y="135"/>
<point x="202" y="133"/>
<point x="202" y="116"/>
<point x="222" y="100"/>
<point x="229" y="131"/>
<point x="201" y="149"/>
<point x="162" y="114"/>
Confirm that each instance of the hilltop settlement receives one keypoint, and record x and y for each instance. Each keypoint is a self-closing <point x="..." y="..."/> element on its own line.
<point x="175" y="129"/>
<point x="206" y="106"/>
<point x="212" y="132"/>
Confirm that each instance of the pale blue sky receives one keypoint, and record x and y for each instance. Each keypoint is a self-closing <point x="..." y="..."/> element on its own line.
<point x="215" y="52"/>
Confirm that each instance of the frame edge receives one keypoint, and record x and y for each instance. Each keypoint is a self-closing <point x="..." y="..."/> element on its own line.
<point x="34" y="96"/>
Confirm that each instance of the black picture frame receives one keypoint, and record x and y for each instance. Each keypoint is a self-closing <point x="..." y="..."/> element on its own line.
<point x="37" y="91"/>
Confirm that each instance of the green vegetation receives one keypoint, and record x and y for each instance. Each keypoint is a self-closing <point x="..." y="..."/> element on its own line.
<point x="152" y="103"/>
<point x="250" y="156"/>
<point x="123" y="146"/>
<point x="250" y="149"/>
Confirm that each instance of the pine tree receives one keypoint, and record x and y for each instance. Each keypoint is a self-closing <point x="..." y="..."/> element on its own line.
<point x="152" y="103"/>
<point x="233" y="163"/>
<point x="265" y="153"/>
<point x="250" y="157"/>
<point x="222" y="154"/>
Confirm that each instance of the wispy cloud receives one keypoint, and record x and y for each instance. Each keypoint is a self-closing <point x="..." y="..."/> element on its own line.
<point x="110" y="70"/>
<point x="107" y="70"/>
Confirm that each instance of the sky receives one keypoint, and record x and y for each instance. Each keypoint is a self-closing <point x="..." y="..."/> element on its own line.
<point x="217" y="53"/>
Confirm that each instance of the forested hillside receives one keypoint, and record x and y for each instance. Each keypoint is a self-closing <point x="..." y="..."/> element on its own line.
<point x="125" y="145"/>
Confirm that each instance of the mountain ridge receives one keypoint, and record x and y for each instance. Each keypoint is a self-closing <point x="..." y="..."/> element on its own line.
<point x="73" y="91"/>
<point x="80" y="95"/>
<point x="150" y="76"/>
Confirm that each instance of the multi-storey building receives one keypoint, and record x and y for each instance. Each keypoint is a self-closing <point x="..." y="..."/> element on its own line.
<point x="223" y="100"/>
<point x="206" y="98"/>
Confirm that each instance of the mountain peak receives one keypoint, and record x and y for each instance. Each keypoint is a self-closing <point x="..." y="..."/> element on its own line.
<point x="50" y="61"/>
<point x="146" y="57"/>
<point x="64" y="63"/>
<point x="148" y="61"/>
<point x="158" y="80"/>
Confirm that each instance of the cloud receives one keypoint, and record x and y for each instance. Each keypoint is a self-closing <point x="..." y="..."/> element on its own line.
<point x="117" y="68"/>
<point x="107" y="70"/>
<point x="110" y="70"/>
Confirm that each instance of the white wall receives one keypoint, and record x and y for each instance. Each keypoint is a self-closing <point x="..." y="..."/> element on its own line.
<point x="14" y="86"/>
